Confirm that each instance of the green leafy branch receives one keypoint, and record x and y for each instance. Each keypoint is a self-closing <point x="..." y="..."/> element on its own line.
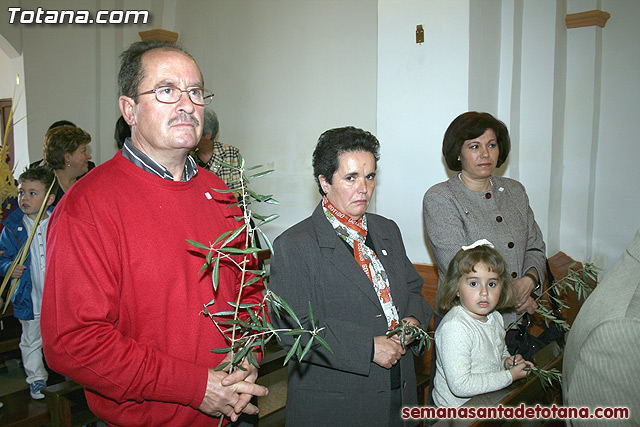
<point x="577" y="281"/>
<point x="247" y="326"/>
<point x="410" y="333"/>
<point x="546" y="377"/>
<point x="279" y="304"/>
<point x="256" y="330"/>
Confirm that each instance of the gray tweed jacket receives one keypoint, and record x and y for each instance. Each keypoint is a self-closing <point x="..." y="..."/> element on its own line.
<point x="601" y="364"/>
<point x="455" y="216"/>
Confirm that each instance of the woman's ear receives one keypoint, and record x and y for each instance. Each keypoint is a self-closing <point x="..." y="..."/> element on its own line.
<point x="324" y="184"/>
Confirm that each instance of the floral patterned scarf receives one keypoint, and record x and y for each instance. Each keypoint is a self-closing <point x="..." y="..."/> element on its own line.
<point x="355" y="234"/>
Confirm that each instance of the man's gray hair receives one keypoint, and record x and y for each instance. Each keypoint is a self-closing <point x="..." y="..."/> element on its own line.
<point x="211" y="123"/>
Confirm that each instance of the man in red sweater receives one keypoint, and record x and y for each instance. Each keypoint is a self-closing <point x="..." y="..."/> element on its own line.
<point x="123" y="296"/>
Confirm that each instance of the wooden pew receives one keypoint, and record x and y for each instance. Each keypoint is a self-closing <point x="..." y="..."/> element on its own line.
<point x="560" y="264"/>
<point x="10" y="332"/>
<point x="429" y="274"/>
<point x="21" y="410"/>
<point x="67" y="405"/>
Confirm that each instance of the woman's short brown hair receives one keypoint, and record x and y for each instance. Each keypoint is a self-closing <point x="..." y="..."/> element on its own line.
<point x="468" y="126"/>
<point x="61" y="140"/>
<point x="463" y="263"/>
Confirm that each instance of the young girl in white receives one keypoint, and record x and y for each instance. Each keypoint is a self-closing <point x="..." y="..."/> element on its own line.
<point x="471" y="355"/>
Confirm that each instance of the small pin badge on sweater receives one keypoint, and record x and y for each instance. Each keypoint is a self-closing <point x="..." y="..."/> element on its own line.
<point x="384" y="252"/>
<point x="207" y="195"/>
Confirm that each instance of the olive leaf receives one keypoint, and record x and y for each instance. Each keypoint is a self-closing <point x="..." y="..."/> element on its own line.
<point x="246" y="326"/>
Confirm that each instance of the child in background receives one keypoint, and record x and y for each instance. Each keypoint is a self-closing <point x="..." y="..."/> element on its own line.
<point x="27" y="299"/>
<point x="472" y="356"/>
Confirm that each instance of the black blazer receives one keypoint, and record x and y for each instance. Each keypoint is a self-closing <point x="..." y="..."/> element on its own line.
<point x="312" y="264"/>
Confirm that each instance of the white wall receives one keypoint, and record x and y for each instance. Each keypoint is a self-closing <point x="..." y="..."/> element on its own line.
<point x="567" y="96"/>
<point x="283" y="71"/>
<point x="7" y="82"/>
<point x="421" y="88"/>
<point x="616" y="197"/>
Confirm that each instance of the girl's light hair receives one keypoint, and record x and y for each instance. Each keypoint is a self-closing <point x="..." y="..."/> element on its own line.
<point x="463" y="263"/>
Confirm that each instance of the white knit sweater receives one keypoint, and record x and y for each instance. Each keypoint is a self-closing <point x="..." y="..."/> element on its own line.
<point x="470" y="357"/>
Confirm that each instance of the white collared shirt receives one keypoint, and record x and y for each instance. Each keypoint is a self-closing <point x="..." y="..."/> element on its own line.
<point x="38" y="252"/>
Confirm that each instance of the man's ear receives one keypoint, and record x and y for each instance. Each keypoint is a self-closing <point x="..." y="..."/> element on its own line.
<point x="128" y="109"/>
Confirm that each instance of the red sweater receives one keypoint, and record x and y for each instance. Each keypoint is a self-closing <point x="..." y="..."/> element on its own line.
<point x="122" y="304"/>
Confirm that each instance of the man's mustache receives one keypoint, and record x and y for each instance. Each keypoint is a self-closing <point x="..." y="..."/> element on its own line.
<point x="184" y="118"/>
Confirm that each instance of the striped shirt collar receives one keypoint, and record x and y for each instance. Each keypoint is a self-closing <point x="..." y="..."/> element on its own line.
<point x="138" y="158"/>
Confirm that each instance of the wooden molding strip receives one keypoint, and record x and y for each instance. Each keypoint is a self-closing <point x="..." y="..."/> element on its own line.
<point x="159" y="34"/>
<point x="587" y="19"/>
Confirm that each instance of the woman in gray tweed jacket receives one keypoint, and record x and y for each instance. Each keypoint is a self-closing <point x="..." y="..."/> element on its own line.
<point x="475" y="205"/>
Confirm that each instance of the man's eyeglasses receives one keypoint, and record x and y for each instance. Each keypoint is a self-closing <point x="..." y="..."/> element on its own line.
<point x="172" y="94"/>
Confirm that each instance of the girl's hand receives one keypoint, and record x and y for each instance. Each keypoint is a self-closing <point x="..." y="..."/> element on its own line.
<point x="517" y="370"/>
<point x="510" y="361"/>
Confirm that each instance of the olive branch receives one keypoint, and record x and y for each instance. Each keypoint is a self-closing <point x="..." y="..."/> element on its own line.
<point x="546" y="376"/>
<point x="410" y="333"/>
<point x="575" y="280"/>
<point x="246" y="326"/>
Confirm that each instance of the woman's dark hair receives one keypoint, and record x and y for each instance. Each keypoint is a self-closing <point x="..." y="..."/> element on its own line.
<point x="131" y="72"/>
<point x="334" y="142"/>
<point x="61" y="123"/>
<point x="468" y="126"/>
<point x="61" y="140"/>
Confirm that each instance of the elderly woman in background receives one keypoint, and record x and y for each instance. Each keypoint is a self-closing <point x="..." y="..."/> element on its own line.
<point x="66" y="152"/>
<point x="353" y="269"/>
<point x="475" y="205"/>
